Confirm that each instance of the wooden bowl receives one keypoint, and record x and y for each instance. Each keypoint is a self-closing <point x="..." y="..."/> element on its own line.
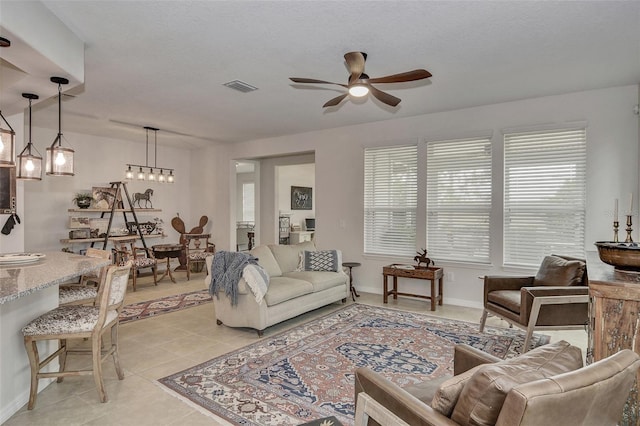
<point x="624" y="256"/>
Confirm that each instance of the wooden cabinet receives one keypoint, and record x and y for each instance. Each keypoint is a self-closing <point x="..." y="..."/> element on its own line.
<point x="615" y="316"/>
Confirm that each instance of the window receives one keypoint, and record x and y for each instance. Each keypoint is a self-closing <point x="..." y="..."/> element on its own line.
<point x="459" y="199"/>
<point x="248" y="204"/>
<point x="544" y="195"/>
<point x="390" y="200"/>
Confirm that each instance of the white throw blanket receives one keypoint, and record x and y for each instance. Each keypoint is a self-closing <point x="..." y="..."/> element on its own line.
<point x="257" y="280"/>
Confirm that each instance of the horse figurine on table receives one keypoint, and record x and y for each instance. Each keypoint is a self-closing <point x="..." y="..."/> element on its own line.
<point x="146" y="196"/>
<point x="422" y="258"/>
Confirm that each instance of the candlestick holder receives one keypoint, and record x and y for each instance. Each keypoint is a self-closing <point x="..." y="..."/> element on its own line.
<point x="616" y="225"/>
<point x="629" y="229"/>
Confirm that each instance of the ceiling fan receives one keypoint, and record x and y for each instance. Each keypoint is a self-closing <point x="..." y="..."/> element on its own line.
<point x="360" y="84"/>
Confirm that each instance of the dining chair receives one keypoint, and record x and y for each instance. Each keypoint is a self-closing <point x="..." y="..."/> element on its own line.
<point x="80" y="322"/>
<point x="87" y="290"/>
<point x="197" y="247"/>
<point x="141" y="257"/>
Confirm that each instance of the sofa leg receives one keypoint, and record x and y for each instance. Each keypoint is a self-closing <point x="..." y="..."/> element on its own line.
<point x="218" y="322"/>
<point x="344" y="300"/>
<point x="260" y="333"/>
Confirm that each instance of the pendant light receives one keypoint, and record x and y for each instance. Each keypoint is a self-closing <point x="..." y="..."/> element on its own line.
<point x="7" y="144"/>
<point x="59" y="159"/>
<point x="155" y="173"/>
<point x="29" y="165"/>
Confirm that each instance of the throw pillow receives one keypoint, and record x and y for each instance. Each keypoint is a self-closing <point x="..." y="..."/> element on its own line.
<point x="555" y="270"/>
<point x="321" y="260"/>
<point x="484" y="393"/>
<point x="449" y="391"/>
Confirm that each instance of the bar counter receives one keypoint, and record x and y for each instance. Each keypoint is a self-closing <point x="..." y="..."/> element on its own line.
<point x="27" y="291"/>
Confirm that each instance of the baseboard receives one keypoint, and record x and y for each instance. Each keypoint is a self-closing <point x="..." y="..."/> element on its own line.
<point x="20" y="400"/>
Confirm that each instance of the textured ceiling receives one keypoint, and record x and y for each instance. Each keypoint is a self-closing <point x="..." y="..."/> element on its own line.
<point x="163" y="63"/>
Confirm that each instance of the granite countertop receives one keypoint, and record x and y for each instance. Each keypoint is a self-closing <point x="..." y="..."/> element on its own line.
<point x="57" y="267"/>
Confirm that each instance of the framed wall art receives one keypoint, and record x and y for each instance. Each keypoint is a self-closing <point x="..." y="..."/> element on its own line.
<point x="104" y="197"/>
<point x="301" y="198"/>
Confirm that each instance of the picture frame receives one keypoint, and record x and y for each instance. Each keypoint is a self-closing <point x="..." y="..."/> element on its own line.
<point x="104" y="197"/>
<point x="77" y="222"/>
<point x="301" y="198"/>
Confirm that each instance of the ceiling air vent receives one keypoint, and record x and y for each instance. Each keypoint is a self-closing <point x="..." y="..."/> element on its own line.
<point x="240" y="86"/>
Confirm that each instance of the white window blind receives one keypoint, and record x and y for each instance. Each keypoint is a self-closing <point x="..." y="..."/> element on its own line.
<point x="544" y="195"/>
<point x="390" y="200"/>
<point x="459" y="199"/>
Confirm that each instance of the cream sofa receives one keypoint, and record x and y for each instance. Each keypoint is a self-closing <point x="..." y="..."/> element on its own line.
<point x="290" y="293"/>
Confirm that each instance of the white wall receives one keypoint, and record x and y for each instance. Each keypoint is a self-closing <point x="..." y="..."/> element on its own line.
<point x="99" y="161"/>
<point x="612" y="167"/>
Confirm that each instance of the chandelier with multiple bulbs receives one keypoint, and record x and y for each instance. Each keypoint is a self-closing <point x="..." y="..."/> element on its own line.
<point x="150" y="173"/>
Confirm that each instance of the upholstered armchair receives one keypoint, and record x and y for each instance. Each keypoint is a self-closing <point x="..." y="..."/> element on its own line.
<point x="125" y="249"/>
<point x="546" y="386"/>
<point x="556" y="298"/>
<point x="197" y="247"/>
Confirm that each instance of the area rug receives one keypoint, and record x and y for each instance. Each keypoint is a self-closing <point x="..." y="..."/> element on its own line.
<point x="164" y="305"/>
<point x="306" y="373"/>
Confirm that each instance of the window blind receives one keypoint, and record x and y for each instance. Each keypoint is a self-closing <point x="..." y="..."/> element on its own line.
<point x="544" y="195"/>
<point x="390" y="200"/>
<point x="459" y="199"/>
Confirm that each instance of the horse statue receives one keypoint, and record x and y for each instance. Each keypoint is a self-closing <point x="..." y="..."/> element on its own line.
<point x="422" y="258"/>
<point x="146" y="196"/>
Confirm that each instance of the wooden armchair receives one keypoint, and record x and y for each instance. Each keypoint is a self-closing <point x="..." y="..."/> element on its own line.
<point x="197" y="247"/>
<point x="141" y="257"/>
<point x="556" y="298"/>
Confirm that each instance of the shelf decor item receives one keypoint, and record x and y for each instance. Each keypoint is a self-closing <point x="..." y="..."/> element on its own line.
<point x="83" y="200"/>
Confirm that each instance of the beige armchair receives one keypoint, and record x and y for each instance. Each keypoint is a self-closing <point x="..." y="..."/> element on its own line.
<point x="530" y="394"/>
<point x="556" y="298"/>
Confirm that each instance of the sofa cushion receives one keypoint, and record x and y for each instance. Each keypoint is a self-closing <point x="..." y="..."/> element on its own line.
<point x="288" y="257"/>
<point x="510" y="299"/>
<point x="320" y="280"/>
<point x="320" y="260"/>
<point x="484" y="393"/>
<point x="555" y="270"/>
<point x="266" y="260"/>
<point x="282" y="289"/>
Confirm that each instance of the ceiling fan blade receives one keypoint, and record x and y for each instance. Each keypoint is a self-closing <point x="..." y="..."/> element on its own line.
<point x="383" y="96"/>
<point x="312" y="80"/>
<point x="413" y="75"/>
<point x="335" y="101"/>
<point x="355" y="62"/>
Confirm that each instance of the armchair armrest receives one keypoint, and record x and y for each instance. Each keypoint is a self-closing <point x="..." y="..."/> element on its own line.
<point x="466" y="357"/>
<point x="554" y="305"/>
<point x="397" y="400"/>
<point x="495" y="282"/>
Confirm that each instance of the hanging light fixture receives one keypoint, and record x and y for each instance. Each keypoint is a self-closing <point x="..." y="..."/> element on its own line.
<point x="151" y="175"/>
<point x="29" y="164"/>
<point x="59" y="161"/>
<point x="7" y="144"/>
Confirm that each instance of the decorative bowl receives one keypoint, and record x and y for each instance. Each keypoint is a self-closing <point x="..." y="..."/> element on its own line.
<point x="623" y="256"/>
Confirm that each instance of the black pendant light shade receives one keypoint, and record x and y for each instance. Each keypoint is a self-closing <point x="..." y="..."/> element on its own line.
<point x="29" y="160"/>
<point x="59" y="159"/>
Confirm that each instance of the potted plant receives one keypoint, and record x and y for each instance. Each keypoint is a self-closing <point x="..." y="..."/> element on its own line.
<point x="83" y="200"/>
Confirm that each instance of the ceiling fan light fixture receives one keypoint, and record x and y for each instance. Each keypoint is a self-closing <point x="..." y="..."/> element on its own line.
<point x="358" y="90"/>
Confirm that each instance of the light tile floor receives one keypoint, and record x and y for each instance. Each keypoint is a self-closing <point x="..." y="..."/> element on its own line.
<point x="156" y="347"/>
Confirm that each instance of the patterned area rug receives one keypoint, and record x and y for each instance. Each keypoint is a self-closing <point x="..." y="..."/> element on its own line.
<point x="164" y="305"/>
<point x="306" y="373"/>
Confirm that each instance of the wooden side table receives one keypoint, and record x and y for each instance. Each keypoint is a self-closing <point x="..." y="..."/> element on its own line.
<point x="167" y="251"/>
<point x="419" y="272"/>
<point x="352" y="265"/>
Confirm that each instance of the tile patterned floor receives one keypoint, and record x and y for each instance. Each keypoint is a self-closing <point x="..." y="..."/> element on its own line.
<point x="156" y="347"/>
